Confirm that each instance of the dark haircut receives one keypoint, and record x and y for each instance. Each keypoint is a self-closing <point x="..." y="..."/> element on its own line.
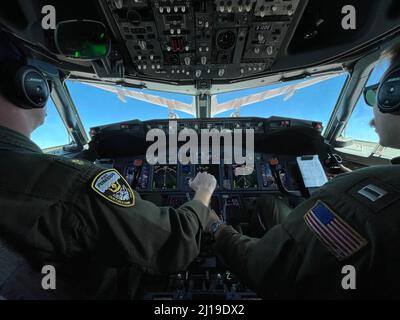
<point x="9" y="53"/>
<point x="394" y="55"/>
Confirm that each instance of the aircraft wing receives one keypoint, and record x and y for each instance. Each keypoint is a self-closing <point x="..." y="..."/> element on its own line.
<point x="289" y="91"/>
<point x="123" y="93"/>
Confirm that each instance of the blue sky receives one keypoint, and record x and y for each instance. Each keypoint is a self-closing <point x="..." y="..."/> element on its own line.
<point x="98" y="107"/>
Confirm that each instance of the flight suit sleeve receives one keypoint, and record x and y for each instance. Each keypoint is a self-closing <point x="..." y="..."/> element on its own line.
<point x="265" y="265"/>
<point x="291" y="260"/>
<point x="136" y="232"/>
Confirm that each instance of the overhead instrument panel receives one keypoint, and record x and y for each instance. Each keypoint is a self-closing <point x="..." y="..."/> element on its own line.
<point x="203" y="39"/>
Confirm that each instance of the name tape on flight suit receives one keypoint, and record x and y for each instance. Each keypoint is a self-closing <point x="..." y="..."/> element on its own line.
<point x="335" y="233"/>
<point x="113" y="187"/>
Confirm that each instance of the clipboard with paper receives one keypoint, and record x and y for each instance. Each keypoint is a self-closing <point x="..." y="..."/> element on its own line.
<point x="312" y="172"/>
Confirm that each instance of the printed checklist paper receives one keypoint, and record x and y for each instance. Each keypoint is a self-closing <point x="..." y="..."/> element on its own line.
<point x="312" y="171"/>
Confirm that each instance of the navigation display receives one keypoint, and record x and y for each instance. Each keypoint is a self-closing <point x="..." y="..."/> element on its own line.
<point x="138" y="176"/>
<point x="187" y="173"/>
<point x="244" y="182"/>
<point x="268" y="180"/>
<point x="164" y="177"/>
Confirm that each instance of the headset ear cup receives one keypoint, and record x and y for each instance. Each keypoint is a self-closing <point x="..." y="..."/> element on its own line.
<point x="388" y="95"/>
<point x="25" y="86"/>
<point x="33" y="87"/>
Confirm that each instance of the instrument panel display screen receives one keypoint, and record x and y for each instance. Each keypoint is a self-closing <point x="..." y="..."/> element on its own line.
<point x="268" y="179"/>
<point x="173" y="178"/>
<point x="244" y="182"/>
<point x="165" y="177"/>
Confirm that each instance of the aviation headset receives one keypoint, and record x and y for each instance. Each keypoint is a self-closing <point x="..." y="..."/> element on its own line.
<point x="23" y="85"/>
<point x="388" y="94"/>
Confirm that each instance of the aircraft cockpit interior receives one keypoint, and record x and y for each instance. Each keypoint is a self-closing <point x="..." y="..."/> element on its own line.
<point x="265" y="95"/>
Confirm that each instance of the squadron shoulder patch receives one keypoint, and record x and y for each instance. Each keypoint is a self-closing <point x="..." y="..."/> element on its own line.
<point x="113" y="187"/>
<point x="335" y="233"/>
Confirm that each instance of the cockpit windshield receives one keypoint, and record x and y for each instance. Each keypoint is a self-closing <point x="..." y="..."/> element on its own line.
<point x="311" y="98"/>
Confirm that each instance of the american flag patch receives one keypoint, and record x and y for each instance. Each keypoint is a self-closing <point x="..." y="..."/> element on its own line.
<point x="341" y="239"/>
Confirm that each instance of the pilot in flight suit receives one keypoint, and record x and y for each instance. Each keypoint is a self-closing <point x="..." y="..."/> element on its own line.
<point x="344" y="241"/>
<point x="85" y="221"/>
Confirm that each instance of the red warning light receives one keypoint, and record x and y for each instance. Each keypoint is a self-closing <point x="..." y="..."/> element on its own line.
<point x="318" y="126"/>
<point x="92" y="132"/>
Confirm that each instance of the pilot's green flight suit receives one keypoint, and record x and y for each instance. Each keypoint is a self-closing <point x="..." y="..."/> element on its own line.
<point x="88" y="223"/>
<point x="304" y="256"/>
